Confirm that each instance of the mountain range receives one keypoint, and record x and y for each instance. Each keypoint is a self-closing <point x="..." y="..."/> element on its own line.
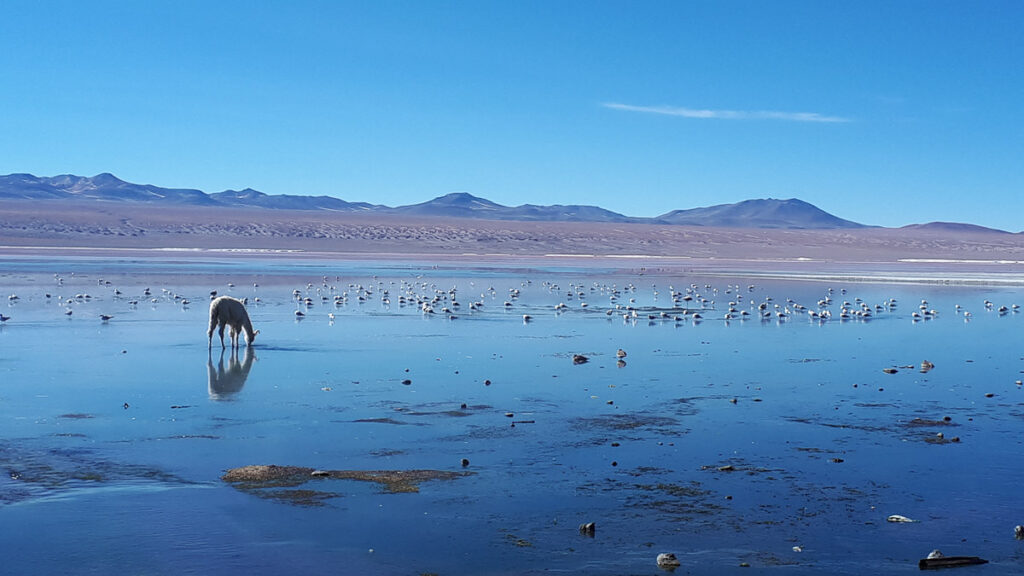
<point x="760" y="213"/>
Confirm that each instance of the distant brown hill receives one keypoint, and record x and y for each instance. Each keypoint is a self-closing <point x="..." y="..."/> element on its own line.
<point x="84" y="226"/>
<point x="768" y="213"/>
<point x="763" y="213"/>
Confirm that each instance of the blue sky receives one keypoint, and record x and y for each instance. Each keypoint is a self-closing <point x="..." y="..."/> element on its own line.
<point x="885" y="113"/>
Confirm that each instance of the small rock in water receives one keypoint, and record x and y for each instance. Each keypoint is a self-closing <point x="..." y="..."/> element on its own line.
<point x="899" y="518"/>
<point x="935" y="554"/>
<point x="621" y="353"/>
<point x="890" y="370"/>
<point x="1018" y="532"/>
<point x="926" y="366"/>
<point x="668" y="561"/>
<point x="465" y="462"/>
<point x="588" y="529"/>
<point x="579" y="359"/>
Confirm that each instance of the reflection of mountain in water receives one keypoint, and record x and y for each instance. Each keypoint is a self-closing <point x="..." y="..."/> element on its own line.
<point x="224" y="383"/>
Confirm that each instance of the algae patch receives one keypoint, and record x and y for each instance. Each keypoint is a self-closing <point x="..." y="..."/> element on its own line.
<point x="268" y="481"/>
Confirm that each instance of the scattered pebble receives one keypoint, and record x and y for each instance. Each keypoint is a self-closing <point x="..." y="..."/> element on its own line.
<point x="668" y="561"/>
<point x="899" y="518"/>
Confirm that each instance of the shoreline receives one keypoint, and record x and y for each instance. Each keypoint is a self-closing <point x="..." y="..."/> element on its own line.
<point x="944" y="271"/>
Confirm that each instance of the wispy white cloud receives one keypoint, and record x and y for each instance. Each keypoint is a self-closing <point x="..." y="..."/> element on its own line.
<point x="727" y="114"/>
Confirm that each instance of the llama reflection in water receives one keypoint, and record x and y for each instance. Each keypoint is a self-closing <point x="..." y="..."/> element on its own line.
<point x="224" y="383"/>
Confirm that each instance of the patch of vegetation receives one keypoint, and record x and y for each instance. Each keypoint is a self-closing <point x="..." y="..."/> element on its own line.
<point x="269" y="477"/>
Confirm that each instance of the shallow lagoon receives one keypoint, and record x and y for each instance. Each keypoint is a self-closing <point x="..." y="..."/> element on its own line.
<point x="778" y="443"/>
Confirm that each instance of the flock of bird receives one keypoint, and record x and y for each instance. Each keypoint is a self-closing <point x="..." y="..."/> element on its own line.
<point x="694" y="302"/>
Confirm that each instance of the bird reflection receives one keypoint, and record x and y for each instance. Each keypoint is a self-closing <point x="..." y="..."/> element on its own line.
<point x="224" y="383"/>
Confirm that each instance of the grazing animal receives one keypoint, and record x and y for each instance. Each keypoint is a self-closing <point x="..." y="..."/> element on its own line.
<point x="228" y="311"/>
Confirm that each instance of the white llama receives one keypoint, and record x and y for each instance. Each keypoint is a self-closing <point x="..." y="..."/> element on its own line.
<point x="228" y="311"/>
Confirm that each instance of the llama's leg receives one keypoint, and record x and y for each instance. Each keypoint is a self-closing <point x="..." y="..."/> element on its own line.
<point x="221" y="333"/>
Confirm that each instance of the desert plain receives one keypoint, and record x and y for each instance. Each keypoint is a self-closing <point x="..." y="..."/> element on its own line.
<point x="935" y="251"/>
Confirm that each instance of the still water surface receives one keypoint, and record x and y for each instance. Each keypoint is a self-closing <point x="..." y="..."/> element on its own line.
<point x="775" y="442"/>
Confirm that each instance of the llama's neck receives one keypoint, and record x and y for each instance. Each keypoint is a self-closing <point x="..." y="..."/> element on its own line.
<point x="247" y="328"/>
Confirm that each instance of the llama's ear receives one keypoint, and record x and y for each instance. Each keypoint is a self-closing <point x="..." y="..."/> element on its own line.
<point x="256" y="332"/>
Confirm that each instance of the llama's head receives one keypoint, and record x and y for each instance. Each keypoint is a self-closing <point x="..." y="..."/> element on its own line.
<point x="251" y="336"/>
